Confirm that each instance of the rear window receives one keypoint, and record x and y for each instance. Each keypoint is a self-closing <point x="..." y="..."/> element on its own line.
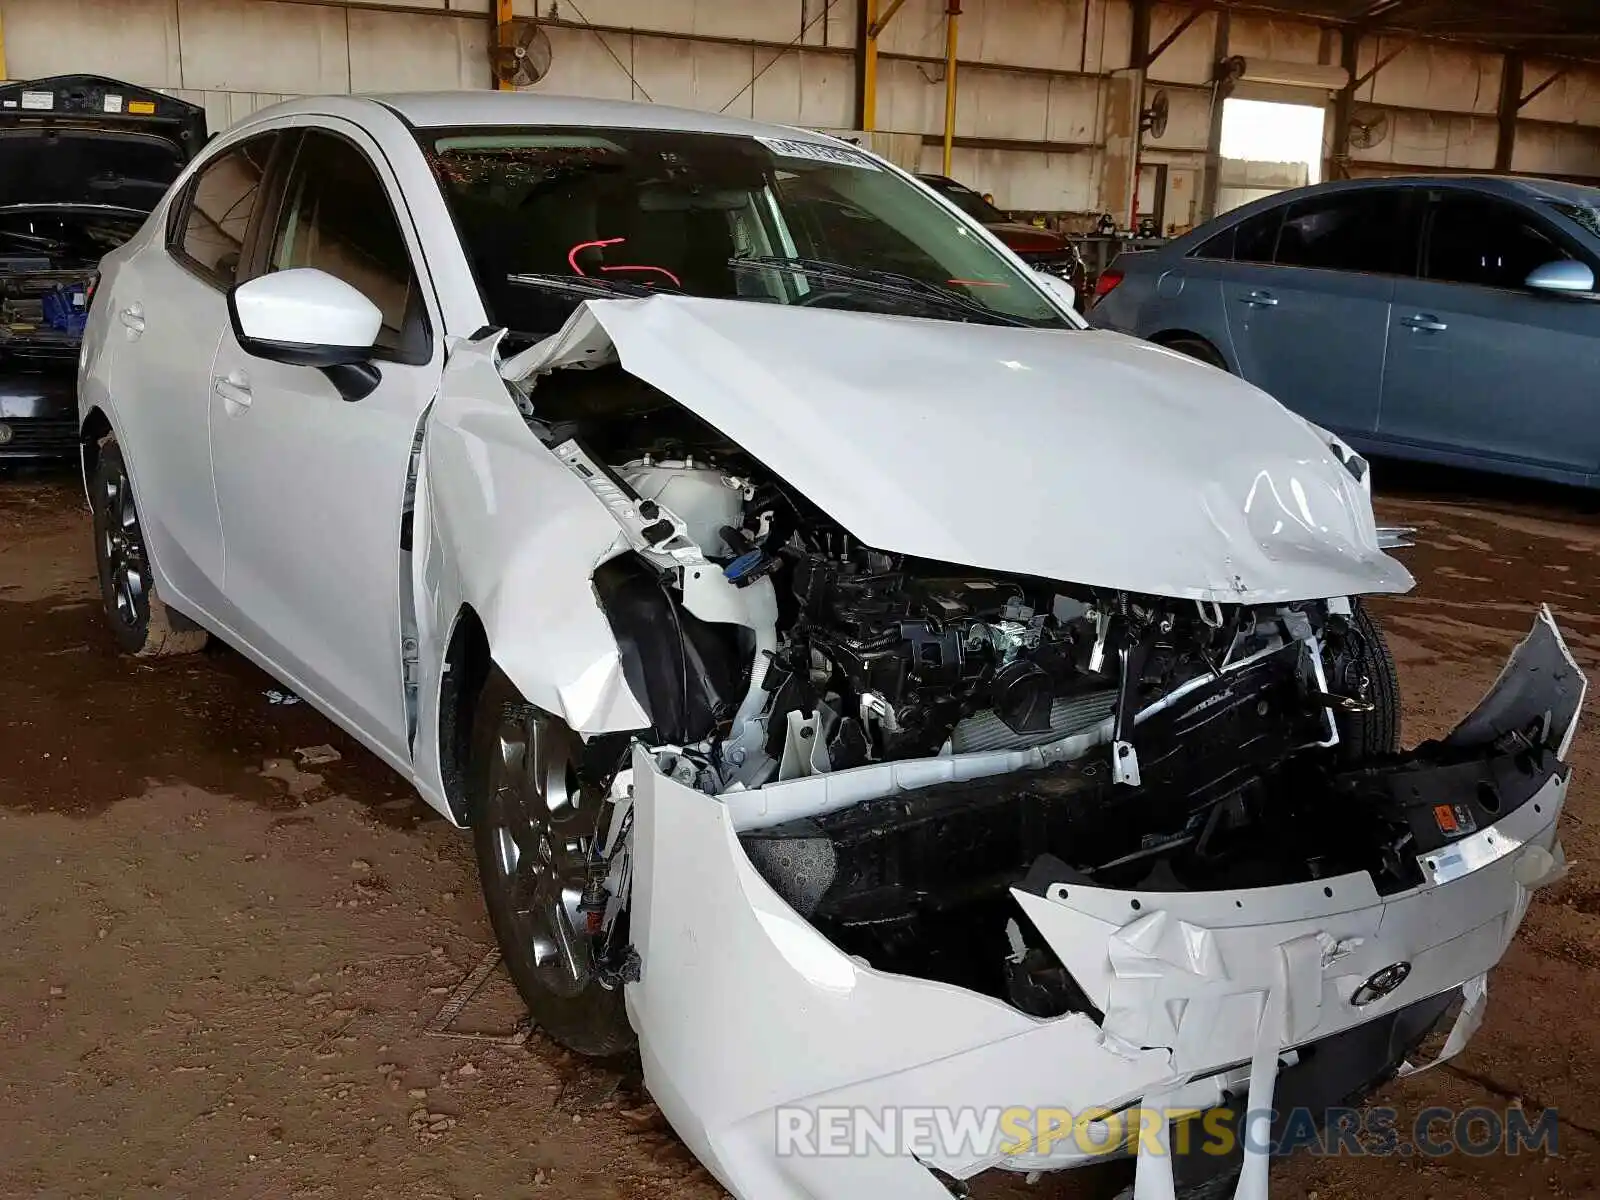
<point x="964" y="198"/>
<point x="1252" y="240"/>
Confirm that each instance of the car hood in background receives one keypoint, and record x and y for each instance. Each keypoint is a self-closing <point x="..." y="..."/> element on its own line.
<point x="85" y="140"/>
<point x="1081" y="456"/>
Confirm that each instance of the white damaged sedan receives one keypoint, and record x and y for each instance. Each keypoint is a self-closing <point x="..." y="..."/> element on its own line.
<point x="870" y="691"/>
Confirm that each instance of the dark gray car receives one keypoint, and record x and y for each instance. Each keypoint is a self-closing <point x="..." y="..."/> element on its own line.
<point x="1450" y="320"/>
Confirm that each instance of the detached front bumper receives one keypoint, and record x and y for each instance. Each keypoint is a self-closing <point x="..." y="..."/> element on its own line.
<point x="753" y="1027"/>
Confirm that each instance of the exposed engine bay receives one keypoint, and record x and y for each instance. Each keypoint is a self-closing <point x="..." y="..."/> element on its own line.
<point x="47" y="260"/>
<point x="876" y="656"/>
<point x="1123" y="740"/>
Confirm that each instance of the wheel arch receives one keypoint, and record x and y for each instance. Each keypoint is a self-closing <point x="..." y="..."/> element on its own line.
<point x="1167" y="337"/>
<point x="92" y="430"/>
<point x="468" y="663"/>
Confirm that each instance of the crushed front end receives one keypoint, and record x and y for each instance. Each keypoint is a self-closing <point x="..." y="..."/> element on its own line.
<point x="997" y="931"/>
<point x="964" y="800"/>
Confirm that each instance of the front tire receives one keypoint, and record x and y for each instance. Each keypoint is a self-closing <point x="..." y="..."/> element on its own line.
<point x="1368" y="669"/>
<point x="533" y="824"/>
<point x="140" y="620"/>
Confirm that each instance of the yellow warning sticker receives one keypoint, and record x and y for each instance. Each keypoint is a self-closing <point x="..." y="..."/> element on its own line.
<point x="143" y="107"/>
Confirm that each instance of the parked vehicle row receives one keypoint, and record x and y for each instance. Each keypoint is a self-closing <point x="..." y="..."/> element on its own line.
<point x="1449" y="320"/>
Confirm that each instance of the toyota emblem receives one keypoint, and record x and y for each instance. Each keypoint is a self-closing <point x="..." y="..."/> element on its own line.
<point x="5" y="433"/>
<point x="1381" y="984"/>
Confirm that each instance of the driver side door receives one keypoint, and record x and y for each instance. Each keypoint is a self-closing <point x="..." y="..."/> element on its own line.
<point x="310" y="486"/>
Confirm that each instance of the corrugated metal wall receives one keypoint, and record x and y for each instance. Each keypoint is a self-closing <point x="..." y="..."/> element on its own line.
<point x="1032" y="73"/>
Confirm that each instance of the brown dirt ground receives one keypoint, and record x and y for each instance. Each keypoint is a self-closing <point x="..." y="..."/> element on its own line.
<point x="218" y="965"/>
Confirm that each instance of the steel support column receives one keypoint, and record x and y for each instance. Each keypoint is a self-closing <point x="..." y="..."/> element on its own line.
<point x="1505" y="144"/>
<point x="875" y="18"/>
<point x="867" y="67"/>
<point x="1212" y="185"/>
<point x="502" y="18"/>
<point x="952" y="21"/>
<point x="1139" y="46"/>
<point x="1338" y="166"/>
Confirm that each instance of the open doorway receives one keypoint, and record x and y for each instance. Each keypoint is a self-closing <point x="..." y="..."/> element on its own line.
<point x="1268" y="147"/>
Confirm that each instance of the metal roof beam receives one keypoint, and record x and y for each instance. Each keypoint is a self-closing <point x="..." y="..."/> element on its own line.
<point x="875" y="30"/>
<point x="1178" y="31"/>
<point x="1380" y="65"/>
<point x="1558" y="73"/>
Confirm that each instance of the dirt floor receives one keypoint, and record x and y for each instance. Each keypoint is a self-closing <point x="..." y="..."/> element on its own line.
<point x="221" y="961"/>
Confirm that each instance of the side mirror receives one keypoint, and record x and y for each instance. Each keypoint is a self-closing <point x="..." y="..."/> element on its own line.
<point x="308" y="318"/>
<point x="1568" y="277"/>
<point x="1064" y="293"/>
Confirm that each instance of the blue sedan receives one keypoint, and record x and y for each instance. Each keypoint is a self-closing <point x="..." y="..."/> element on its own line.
<point x="1450" y="320"/>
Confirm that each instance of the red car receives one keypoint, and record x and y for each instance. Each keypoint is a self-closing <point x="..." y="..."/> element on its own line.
<point x="1043" y="249"/>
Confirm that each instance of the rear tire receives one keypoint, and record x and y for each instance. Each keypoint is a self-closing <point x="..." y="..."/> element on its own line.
<point x="1198" y="349"/>
<point x="533" y="824"/>
<point x="140" y="620"/>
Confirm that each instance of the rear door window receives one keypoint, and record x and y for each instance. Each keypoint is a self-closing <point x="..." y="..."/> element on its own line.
<point x="1367" y="231"/>
<point x="1485" y="242"/>
<point x="1251" y="240"/>
<point x="209" y="235"/>
<point x="1362" y="231"/>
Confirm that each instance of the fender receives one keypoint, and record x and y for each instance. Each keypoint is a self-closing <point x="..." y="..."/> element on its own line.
<point x="508" y="530"/>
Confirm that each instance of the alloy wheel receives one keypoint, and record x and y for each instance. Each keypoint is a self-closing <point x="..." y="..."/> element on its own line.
<point x="122" y="545"/>
<point x="542" y="828"/>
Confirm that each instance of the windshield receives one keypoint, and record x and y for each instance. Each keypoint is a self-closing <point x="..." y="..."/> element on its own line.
<point x="964" y="198"/>
<point x="765" y="220"/>
<point x="1587" y="215"/>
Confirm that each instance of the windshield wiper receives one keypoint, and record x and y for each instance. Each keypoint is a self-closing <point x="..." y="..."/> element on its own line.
<point x="586" y="286"/>
<point x="884" y="283"/>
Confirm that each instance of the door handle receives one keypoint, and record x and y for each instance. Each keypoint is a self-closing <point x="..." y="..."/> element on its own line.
<point x="1261" y="300"/>
<point x="1425" y="322"/>
<point x="234" y="390"/>
<point x="132" y="319"/>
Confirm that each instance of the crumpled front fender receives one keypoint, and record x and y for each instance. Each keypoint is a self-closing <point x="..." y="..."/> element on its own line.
<point x="515" y="535"/>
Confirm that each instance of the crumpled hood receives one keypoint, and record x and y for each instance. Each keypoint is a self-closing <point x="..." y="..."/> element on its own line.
<point x="1082" y="455"/>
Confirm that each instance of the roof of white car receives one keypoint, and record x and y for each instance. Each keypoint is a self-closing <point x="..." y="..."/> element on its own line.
<point x="445" y="109"/>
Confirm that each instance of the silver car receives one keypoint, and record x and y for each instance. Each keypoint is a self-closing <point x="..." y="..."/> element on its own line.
<point x="1449" y="320"/>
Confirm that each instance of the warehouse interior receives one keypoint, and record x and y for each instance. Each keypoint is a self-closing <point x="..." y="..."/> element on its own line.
<point x="1045" y="97"/>
<point x="248" y="953"/>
